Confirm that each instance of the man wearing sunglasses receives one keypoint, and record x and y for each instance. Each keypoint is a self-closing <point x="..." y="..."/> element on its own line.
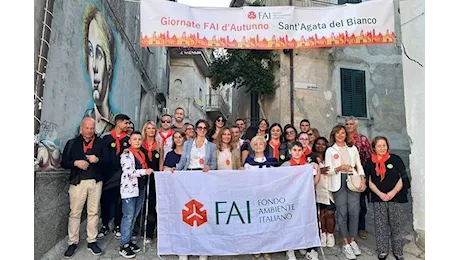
<point x="165" y="135"/>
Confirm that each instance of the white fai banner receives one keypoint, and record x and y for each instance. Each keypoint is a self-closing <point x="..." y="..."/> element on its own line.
<point x="236" y="212"/>
<point x="165" y="23"/>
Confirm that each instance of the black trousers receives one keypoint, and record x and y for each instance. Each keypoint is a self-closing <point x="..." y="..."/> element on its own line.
<point x="111" y="206"/>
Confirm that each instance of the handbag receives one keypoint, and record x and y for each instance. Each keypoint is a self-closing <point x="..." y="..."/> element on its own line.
<point x="354" y="182"/>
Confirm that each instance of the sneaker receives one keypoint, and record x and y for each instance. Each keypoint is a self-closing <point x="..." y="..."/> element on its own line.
<point x="398" y="257"/>
<point x="303" y="251"/>
<point x="312" y="255"/>
<point x="362" y="234"/>
<point x="183" y="257"/>
<point x="257" y="256"/>
<point x="134" y="247"/>
<point x="267" y="256"/>
<point x="203" y="257"/>
<point x="127" y="252"/>
<point x="355" y="248"/>
<point x="134" y="239"/>
<point x="94" y="248"/>
<point x="148" y="240"/>
<point x="323" y="239"/>
<point x="330" y="240"/>
<point x="103" y="232"/>
<point x="348" y="252"/>
<point x="70" y="252"/>
<point x="117" y="232"/>
<point x="291" y="255"/>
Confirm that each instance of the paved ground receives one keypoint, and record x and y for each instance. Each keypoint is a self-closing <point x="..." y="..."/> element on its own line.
<point x="110" y="246"/>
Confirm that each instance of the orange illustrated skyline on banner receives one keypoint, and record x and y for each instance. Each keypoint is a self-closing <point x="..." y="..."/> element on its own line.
<point x="341" y="39"/>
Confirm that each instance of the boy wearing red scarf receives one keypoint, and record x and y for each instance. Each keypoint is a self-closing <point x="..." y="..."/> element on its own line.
<point x="132" y="190"/>
<point x="298" y="158"/>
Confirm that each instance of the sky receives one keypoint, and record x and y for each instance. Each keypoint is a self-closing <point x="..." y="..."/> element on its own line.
<point x="207" y="3"/>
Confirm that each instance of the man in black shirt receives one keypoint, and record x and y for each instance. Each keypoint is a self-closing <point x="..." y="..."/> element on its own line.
<point x="116" y="141"/>
<point x="85" y="156"/>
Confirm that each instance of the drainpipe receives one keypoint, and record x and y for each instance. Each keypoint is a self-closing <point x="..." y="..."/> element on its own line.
<point x="291" y="78"/>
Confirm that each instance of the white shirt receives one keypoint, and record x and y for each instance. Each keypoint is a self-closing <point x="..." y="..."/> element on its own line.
<point x="196" y="154"/>
<point x="168" y="144"/>
<point x="222" y="160"/>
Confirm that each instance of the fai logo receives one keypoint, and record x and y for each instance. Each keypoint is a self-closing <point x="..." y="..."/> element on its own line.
<point x="194" y="213"/>
<point x="252" y="15"/>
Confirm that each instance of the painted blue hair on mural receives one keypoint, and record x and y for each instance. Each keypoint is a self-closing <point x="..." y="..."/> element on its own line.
<point x="99" y="56"/>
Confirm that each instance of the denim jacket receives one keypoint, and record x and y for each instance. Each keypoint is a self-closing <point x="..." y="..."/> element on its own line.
<point x="210" y="157"/>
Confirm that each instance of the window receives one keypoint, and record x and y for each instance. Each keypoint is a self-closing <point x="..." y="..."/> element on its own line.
<point x="341" y="2"/>
<point x="353" y="84"/>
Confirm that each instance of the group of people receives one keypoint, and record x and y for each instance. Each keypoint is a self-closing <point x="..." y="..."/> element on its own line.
<point x="111" y="170"/>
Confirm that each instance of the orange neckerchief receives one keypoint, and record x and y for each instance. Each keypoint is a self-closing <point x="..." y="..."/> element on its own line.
<point x="380" y="165"/>
<point x="303" y="161"/>
<point x="139" y="156"/>
<point x="276" y="148"/>
<point x="307" y="152"/>
<point x="150" y="148"/>
<point x="89" y="146"/>
<point x="170" y="133"/>
<point x="117" y="139"/>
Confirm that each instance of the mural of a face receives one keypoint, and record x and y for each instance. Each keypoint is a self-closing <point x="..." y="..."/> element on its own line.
<point x="100" y="56"/>
<point x="97" y="67"/>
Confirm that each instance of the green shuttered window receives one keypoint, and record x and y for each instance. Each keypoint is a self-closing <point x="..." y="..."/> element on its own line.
<point x="353" y="84"/>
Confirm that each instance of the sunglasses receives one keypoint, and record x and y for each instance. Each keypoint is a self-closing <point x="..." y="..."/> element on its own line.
<point x="220" y="120"/>
<point x="310" y="134"/>
<point x="189" y="128"/>
<point x="290" y="132"/>
<point x="165" y="121"/>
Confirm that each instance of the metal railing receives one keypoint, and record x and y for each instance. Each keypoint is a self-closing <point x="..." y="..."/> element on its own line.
<point x="215" y="102"/>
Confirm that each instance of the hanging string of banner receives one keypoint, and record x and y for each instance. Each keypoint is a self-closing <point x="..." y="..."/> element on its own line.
<point x="165" y="23"/>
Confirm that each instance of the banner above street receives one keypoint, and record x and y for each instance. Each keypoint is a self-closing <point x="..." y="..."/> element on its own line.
<point x="165" y="23"/>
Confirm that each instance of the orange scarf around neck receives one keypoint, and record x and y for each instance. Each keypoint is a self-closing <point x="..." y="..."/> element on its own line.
<point x="140" y="156"/>
<point x="117" y="139"/>
<point x="380" y="165"/>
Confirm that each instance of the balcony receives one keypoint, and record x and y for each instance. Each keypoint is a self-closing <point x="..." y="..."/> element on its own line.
<point x="216" y="106"/>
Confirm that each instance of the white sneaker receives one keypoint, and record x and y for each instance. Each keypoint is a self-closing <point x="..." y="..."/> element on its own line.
<point x="312" y="255"/>
<point x="203" y="257"/>
<point x="348" y="252"/>
<point x="355" y="248"/>
<point x="303" y="251"/>
<point x="291" y="255"/>
<point x="148" y="240"/>
<point x="330" y="240"/>
<point x="183" y="257"/>
<point x="323" y="239"/>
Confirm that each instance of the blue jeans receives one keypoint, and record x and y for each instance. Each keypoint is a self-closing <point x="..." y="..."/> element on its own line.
<point x="131" y="209"/>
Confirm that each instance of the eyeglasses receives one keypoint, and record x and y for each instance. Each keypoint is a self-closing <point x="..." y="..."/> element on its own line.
<point x="201" y="128"/>
<point x="290" y="132"/>
<point x="310" y="134"/>
<point x="165" y="121"/>
<point x="189" y="128"/>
